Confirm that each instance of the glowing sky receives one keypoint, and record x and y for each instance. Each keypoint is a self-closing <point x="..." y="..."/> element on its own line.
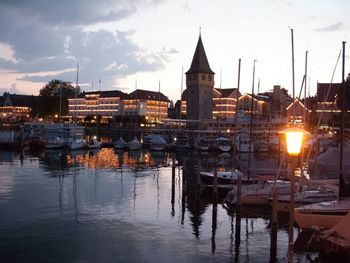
<point x="121" y="42"/>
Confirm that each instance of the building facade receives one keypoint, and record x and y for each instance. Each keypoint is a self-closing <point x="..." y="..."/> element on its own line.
<point x="106" y="104"/>
<point x="109" y="104"/>
<point x="18" y="107"/>
<point x="153" y="106"/>
<point x="327" y="108"/>
<point x="297" y="113"/>
<point x="224" y="103"/>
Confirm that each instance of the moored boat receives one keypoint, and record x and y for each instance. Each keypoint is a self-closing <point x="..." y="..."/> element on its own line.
<point x="201" y="144"/>
<point x="94" y="144"/>
<point x="222" y="177"/>
<point x="120" y="143"/>
<point x="322" y="215"/>
<point x="55" y="143"/>
<point x="158" y="143"/>
<point x="134" y="144"/>
<point x="223" y="144"/>
<point x="77" y="144"/>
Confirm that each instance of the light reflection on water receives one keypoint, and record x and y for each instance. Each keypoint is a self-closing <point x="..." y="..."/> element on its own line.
<point x="109" y="206"/>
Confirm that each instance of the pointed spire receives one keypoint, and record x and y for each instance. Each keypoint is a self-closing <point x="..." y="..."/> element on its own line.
<point x="200" y="62"/>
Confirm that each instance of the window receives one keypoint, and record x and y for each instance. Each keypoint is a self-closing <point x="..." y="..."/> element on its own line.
<point x="209" y="78"/>
<point x="203" y="77"/>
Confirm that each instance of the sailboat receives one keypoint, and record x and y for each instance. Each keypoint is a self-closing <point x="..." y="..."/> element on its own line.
<point x="120" y="144"/>
<point x="76" y="143"/>
<point x="330" y="214"/>
<point x="135" y="144"/>
<point x="243" y="143"/>
<point x="158" y="143"/>
<point x="223" y="144"/>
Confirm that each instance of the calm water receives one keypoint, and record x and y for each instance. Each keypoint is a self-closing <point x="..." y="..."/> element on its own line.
<point x="106" y="206"/>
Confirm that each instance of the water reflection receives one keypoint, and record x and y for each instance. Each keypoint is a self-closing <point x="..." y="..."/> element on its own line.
<point x="123" y="200"/>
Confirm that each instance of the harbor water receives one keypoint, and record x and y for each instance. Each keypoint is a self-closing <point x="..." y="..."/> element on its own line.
<point x="109" y="206"/>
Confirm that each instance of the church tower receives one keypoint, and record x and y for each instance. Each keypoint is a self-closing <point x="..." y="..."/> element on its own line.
<point x="200" y="84"/>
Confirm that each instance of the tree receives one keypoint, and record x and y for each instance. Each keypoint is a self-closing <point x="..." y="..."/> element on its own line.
<point x="49" y="97"/>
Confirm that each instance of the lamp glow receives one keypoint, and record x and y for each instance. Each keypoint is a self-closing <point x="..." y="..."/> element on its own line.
<point x="294" y="138"/>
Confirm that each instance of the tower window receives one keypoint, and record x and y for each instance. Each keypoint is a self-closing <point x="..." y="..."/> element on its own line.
<point x="203" y="77"/>
<point x="209" y="78"/>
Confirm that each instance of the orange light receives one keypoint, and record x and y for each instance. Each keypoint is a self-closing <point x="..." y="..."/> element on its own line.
<point x="294" y="138"/>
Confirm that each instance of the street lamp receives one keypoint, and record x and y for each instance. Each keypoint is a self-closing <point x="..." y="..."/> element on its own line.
<point x="294" y="140"/>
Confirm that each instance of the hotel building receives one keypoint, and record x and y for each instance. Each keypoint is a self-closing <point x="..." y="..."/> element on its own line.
<point x="108" y="104"/>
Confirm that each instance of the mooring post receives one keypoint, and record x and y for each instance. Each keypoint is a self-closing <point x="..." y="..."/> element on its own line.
<point x="238" y="215"/>
<point x="173" y="187"/>
<point x="274" y="225"/>
<point x="291" y="210"/>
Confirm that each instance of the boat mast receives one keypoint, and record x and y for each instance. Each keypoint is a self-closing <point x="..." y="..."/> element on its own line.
<point x="60" y="102"/>
<point x="237" y="97"/>
<point x="251" y="120"/>
<point x="158" y="101"/>
<point x="305" y="87"/>
<point x="182" y="81"/>
<point x="341" y="179"/>
<point x="76" y="95"/>
<point x="293" y="75"/>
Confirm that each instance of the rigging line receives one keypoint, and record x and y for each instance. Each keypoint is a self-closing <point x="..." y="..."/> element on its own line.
<point x="324" y="105"/>
<point x="301" y="88"/>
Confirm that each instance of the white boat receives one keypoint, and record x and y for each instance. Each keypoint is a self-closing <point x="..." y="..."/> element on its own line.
<point x="201" y="144"/>
<point x="327" y="163"/>
<point x="55" y="143"/>
<point x="94" y="144"/>
<point x="259" y="193"/>
<point x="337" y="238"/>
<point x="134" y="144"/>
<point x="322" y="215"/>
<point x="158" y="143"/>
<point x="308" y="195"/>
<point x="120" y="143"/>
<point x="223" y="144"/>
<point x="222" y="177"/>
<point x="77" y="144"/>
<point x="243" y="143"/>
<point x="146" y="140"/>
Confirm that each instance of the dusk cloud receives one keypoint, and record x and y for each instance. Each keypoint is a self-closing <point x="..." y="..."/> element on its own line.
<point x="52" y="38"/>
<point x="12" y="89"/>
<point x="331" y="28"/>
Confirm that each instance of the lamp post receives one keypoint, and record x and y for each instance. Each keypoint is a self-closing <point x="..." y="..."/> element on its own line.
<point x="294" y="139"/>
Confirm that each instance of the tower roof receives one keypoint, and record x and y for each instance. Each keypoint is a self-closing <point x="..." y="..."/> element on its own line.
<point x="200" y="62"/>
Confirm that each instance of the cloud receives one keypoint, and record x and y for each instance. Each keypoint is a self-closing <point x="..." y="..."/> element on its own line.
<point x="186" y="7"/>
<point x="11" y="89"/>
<point x="100" y="54"/>
<point x="331" y="28"/>
<point x="54" y="39"/>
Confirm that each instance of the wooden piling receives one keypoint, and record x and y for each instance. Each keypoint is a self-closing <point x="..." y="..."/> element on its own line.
<point x="173" y="188"/>
<point x="291" y="210"/>
<point x="274" y="225"/>
<point x="238" y="215"/>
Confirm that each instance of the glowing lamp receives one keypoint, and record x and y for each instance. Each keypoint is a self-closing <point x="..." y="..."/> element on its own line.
<point x="294" y="139"/>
